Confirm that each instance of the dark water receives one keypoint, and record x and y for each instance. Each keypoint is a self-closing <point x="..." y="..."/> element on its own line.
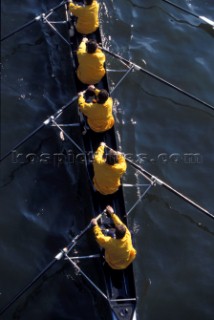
<point x="43" y="206"/>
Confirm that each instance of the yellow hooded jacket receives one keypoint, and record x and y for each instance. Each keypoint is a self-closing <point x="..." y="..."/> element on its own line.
<point x="88" y="19"/>
<point x="91" y="65"/>
<point x="119" y="253"/>
<point x="99" y="116"/>
<point x="107" y="177"/>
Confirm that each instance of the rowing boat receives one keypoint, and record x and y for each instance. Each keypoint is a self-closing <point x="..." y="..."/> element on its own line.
<point x="120" y="285"/>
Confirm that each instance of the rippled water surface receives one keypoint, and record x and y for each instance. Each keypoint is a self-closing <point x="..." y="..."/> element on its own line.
<point x="44" y="205"/>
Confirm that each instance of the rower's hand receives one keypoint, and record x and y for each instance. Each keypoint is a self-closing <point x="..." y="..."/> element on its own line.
<point x="103" y="144"/>
<point x="109" y="211"/>
<point x="91" y="87"/>
<point x="85" y="39"/>
<point x="121" y="154"/>
<point x="80" y="94"/>
<point x="94" y="222"/>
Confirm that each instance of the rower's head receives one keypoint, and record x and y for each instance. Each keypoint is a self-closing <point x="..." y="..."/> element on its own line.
<point x="112" y="158"/>
<point x="102" y="96"/>
<point x="120" y="231"/>
<point x="88" y="2"/>
<point x="91" y="46"/>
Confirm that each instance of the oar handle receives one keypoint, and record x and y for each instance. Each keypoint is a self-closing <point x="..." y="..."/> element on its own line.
<point x="100" y="215"/>
<point x="74" y="241"/>
<point x="111" y="149"/>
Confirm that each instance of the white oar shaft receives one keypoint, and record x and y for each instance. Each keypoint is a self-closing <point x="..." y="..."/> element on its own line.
<point x="207" y="20"/>
<point x="91" y="256"/>
<point x="101" y="214"/>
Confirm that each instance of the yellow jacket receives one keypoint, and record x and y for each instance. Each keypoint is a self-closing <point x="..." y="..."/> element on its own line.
<point x="119" y="253"/>
<point x="99" y="116"/>
<point x="91" y="65"/>
<point x="88" y="19"/>
<point x="107" y="177"/>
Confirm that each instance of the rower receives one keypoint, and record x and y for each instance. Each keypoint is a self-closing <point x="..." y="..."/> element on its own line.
<point x="108" y="171"/>
<point x="87" y="16"/>
<point x="91" y="61"/>
<point x="99" y="110"/>
<point x="119" y="250"/>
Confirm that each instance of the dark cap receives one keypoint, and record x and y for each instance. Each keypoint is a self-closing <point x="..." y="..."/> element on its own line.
<point x="102" y="96"/>
<point x="120" y="231"/>
<point x="88" y="2"/>
<point x="91" y="46"/>
<point x="111" y="158"/>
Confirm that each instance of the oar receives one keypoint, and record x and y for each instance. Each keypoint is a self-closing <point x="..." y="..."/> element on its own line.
<point x="138" y="68"/>
<point x="45" y="123"/>
<point x="210" y="22"/>
<point x="154" y="180"/>
<point x="58" y="257"/>
<point x="164" y="184"/>
<point x="37" y="18"/>
<point x="73" y="243"/>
